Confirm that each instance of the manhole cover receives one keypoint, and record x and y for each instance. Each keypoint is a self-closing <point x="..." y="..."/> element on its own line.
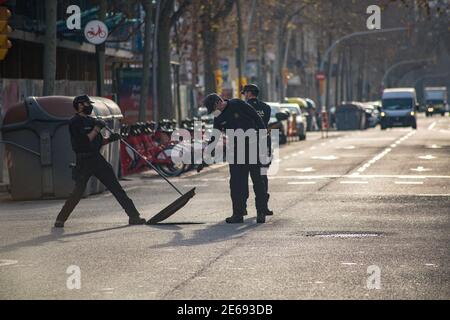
<point x="343" y="234"/>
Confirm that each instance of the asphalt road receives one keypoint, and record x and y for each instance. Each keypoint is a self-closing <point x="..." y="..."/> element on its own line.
<point x="361" y="215"/>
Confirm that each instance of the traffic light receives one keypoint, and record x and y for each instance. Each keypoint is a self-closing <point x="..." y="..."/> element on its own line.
<point x="5" y="29"/>
<point x="219" y="81"/>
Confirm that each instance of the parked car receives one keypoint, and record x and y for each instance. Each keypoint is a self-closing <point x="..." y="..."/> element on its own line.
<point x="297" y="120"/>
<point x="372" y="115"/>
<point x="278" y="121"/>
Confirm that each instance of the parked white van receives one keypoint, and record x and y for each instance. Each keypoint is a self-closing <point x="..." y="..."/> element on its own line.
<point x="399" y="108"/>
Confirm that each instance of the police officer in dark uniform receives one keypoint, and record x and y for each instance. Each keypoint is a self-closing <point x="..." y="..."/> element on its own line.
<point x="251" y="92"/>
<point x="236" y="114"/>
<point x="86" y="142"/>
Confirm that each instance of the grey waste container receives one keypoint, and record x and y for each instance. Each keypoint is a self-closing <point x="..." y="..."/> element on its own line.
<point x="350" y="116"/>
<point x="38" y="147"/>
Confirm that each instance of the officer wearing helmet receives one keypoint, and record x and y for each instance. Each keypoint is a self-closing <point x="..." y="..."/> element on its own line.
<point x="251" y="92"/>
<point x="86" y="142"/>
<point x="235" y="114"/>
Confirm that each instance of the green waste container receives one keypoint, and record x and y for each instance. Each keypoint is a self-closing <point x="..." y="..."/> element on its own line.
<point x="38" y="148"/>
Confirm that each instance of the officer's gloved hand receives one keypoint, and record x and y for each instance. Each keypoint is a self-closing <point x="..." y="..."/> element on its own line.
<point x="100" y="123"/>
<point x="114" y="137"/>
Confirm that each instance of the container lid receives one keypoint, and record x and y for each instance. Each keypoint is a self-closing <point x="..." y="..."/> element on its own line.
<point x="56" y="108"/>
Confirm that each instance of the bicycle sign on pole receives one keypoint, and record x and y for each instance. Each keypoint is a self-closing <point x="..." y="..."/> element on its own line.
<point x="96" y="32"/>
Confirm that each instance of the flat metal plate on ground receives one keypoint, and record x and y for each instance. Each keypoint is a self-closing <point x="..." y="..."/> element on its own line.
<point x="343" y="234"/>
<point x="172" y="208"/>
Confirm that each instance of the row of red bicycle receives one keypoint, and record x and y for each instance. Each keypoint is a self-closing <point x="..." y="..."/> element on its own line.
<point x="157" y="145"/>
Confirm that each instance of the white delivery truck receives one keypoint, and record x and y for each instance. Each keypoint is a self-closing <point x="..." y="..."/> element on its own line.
<point x="435" y="100"/>
<point x="398" y="108"/>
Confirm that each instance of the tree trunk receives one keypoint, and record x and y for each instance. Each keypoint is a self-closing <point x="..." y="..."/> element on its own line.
<point x="210" y="60"/>
<point x="164" y="78"/>
<point x="50" y="48"/>
<point x="145" y="86"/>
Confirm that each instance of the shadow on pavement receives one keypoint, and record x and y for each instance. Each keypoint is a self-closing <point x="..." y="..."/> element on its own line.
<point x="212" y="233"/>
<point x="56" y="234"/>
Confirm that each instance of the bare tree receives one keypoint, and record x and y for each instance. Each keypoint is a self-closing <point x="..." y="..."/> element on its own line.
<point x="50" y="48"/>
<point x="147" y="4"/>
<point x="212" y="12"/>
<point x="169" y="15"/>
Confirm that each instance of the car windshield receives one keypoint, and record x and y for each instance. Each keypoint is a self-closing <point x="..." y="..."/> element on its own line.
<point x="397" y="104"/>
<point x="274" y="110"/>
<point x="434" y="101"/>
<point x="292" y="110"/>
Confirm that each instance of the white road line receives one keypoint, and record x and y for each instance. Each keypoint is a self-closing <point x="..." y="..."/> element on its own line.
<point x="354" y="176"/>
<point x="308" y="169"/>
<point x="431" y="126"/>
<point x="6" y="262"/>
<point x="384" y="153"/>
<point x="427" y="157"/>
<point x="432" y="195"/>
<point x="326" y="158"/>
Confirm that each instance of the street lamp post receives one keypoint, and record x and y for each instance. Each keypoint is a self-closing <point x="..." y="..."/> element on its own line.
<point x="355" y="34"/>
<point x="401" y="63"/>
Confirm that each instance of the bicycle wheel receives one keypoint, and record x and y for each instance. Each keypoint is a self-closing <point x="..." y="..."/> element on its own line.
<point x="169" y="169"/>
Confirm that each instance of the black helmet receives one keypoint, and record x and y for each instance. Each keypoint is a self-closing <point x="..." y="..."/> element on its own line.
<point x="251" y="88"/>
<point x="81" y="99"/>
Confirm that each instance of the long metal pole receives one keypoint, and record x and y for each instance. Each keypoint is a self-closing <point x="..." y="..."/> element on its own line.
<point x="146" y="161"/>
<point x="401" y="63"/>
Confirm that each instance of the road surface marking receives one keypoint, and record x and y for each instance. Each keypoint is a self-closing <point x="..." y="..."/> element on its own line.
<point x="393" y="176"/>
<point x="431" y="126"/>
<point x="6" y="262"/>
<point x="346" y="148"/>
<point x="326" y="158"/>
<point x="383" y="153"/>
<point x="434" y="146"/>
<point x="432" y="195"/>
<point x="420" y="169"/>
<point x="308" y="169"/>
<point x="427" y="157"/>
<point x="408" y="182"/>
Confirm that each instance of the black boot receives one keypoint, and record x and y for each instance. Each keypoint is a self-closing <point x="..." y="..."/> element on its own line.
<point x="59" y="224"/>
<point x="235" y="219"/>
<point x="261" y="217"/>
